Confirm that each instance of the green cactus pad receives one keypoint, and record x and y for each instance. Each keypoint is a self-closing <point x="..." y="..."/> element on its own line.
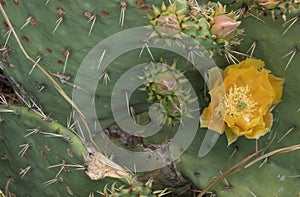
<point x="33" y="153"/>
<point x="64" y="49"/>
<point x="278" y="174"/>
<point x="58" y="35"/>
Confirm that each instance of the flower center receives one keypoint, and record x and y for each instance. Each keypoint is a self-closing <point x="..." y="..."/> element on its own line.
<point x="241" y="105"/>
<point x="238" y="103"/>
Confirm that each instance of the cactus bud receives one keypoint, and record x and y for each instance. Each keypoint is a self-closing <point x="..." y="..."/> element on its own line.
<point x="224" y="27"/>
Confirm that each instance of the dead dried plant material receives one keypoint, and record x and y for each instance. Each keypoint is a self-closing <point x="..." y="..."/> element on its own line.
<point x="99" y="167"/>
<point x="1" y="194"/>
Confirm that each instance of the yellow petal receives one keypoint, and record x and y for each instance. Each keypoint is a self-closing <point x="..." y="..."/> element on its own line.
<point x="277" y="84"/>
<point x="212" y="120"/>
<point x="248" y="63"/>
<point x="205" y="117"/>
<point x="261" y="130"/>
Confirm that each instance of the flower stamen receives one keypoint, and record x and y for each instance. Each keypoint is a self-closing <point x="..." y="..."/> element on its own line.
<point x="238" y="102"/>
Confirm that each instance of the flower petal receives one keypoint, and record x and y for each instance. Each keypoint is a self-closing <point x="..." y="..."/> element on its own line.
<point x="261" y="130"/>
<point x="248" y="63"/>
<point x="205" y="117"/>
<point x="277" y="84"/>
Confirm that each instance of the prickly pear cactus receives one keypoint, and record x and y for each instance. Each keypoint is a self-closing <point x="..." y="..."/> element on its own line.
<point x="41" y="157"/>
<point x="58" y="35"/>
<point x="266" y="39"/>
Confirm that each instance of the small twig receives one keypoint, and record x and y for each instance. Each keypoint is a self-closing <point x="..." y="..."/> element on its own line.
<point x="7" y="192"/>
<point x="225" y="180"/>
<point x="278" y="151"/>
<point x="294" y="176"/>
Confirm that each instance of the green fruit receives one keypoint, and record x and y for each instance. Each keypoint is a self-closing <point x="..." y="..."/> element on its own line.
<point x="167" y="86"/>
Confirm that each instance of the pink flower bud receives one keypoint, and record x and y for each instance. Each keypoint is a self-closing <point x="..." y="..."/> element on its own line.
<point x="165" y="82"/>
<point x="224" y="27"/>
<point x="269" y="4"/>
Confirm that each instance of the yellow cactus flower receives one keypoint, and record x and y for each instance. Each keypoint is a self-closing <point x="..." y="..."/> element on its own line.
<point x="251" y="92"/>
